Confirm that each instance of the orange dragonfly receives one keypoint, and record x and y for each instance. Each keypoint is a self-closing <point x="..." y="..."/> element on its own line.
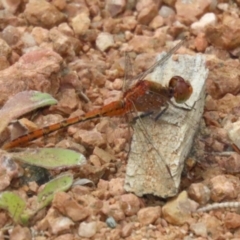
<point x="142" y="96"/>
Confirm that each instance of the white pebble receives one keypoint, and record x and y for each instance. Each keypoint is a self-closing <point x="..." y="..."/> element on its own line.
<point x="206" y="20"/>
<point x="104" y="41"/>
<point x="165" y="11"/>
<point x="87" y="230"/>
<point x="223" y="6"/>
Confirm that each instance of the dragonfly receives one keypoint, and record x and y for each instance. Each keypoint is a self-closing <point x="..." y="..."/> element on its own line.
<point x="142" y="96"/>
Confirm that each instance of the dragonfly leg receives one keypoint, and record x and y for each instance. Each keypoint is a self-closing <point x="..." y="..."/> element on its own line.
<point x="142" y="115"/>
<point x="161" y="112"/>
<point x="188" y="108"/>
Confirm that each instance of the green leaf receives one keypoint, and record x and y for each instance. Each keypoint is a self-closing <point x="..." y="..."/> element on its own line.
<point x="59" y="184"/>
<point x="42" y="99"/>
<point x="51" y="158"/>
<point x="14" y="204"/>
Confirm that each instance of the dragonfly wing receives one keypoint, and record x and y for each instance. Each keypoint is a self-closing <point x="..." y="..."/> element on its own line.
<point x="170" y="143"/>
<point x="161" y="61"/>
<point x="147" y="171"/>
<point x="128" y="72"/>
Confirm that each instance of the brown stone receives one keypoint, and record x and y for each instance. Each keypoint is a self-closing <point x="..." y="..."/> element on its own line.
<point x="11" y="6"/>
<point x="115" y="211"/>
<point x="223" y="79"/>
<point x="132" y="204"/>
<point x="36" y="10"/>
<point x="127" y="230"/>
<point x="178" y="211"/>
<point x="147" y="14"/>
<point x="188" y="12"/>
<point x="9" y="170"/>
<point x="201" y="42"/>
<point x="5" y="50"/>
<point x="81" y="23"/>
<point x="60" y="4"/>
<point x="213" y="225"/>
<point x="232" y="220"/>
<point x="115" y="7"/>
<point x="89" y="138"/>
<point x="149" y="215"/>
<point x="199" y="192"/>
<point x="224" y="187"/>
<point x="69" y="207"/>
<point x="21" y="233"/>
<point x="40" y="35"/>
<point x="141" y="44"/>
<point x="157" y="22"/>
<point x="226" y="34"/>
<point x="38" y="67"/>
<point x="116" y="186"/>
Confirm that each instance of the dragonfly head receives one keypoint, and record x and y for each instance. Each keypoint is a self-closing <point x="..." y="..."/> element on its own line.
<point x="180" y="89"/>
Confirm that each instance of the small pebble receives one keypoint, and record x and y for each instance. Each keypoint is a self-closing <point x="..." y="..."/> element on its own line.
<point x="87" y="229"/>
<point x="111" y="222"/>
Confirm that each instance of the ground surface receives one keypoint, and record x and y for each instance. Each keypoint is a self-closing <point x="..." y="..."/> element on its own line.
<point x="74" y="50"/>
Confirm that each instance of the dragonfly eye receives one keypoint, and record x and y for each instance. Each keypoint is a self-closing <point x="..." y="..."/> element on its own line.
<point x="180" y="89"/>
